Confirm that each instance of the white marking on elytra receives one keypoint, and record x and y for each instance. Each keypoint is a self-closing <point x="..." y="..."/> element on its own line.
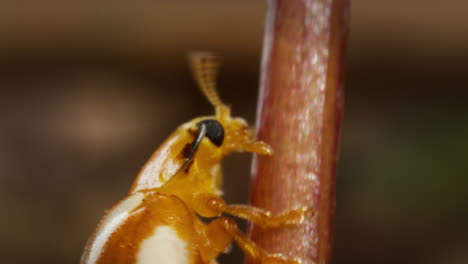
<point x="111" y="223"/>
<point x="164" y="246"/>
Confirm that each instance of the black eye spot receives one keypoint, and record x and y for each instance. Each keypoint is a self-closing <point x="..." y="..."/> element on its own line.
<point x="214" y="131"/>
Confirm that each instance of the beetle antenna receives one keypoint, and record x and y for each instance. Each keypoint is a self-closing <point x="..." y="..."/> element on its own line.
<point x="205" y="67"/>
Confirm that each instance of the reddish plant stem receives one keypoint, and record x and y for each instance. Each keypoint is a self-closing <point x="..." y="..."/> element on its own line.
<point x="299" y="114"/>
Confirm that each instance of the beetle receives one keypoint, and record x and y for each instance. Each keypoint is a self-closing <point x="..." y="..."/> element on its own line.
<point x="159" y="220"/>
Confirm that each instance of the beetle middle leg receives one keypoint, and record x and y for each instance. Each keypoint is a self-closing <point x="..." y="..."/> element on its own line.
<point x="221" y="231"/>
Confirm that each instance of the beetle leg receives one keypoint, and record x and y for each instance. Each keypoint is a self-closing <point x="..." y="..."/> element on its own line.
<point x="210" y="206"/>
<point x="221" y="231"/>
<point x="265" y="219"/>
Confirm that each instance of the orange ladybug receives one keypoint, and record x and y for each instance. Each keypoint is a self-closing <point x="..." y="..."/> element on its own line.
<point x="158" y="221"/>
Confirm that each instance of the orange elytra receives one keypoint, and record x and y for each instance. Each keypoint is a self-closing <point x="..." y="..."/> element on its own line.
<point x="158" y="221"/>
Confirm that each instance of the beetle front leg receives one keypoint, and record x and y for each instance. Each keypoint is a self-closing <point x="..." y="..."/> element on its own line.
<point x="210" y="206"/>
<point x="265" y="219"/>
<point x="221" y="231"/>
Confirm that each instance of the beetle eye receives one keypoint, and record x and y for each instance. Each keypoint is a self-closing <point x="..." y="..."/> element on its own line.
<point x="214" y="131"/>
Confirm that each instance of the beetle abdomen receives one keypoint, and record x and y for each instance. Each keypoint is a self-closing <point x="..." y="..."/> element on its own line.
<point x="145" y="228"/>
<point x="164" y="246"/>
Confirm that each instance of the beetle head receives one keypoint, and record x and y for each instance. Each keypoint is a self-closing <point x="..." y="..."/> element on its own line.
<point x="226" y="133"/>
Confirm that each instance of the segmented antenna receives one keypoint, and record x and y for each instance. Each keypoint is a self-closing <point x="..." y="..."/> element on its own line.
<point x="205" y="66"/>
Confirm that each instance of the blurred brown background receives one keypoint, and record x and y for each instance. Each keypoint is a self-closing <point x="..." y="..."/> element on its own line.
<point x="90" y="88"/>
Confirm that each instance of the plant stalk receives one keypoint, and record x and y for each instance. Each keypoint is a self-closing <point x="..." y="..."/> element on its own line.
<point x="299" y="113"/>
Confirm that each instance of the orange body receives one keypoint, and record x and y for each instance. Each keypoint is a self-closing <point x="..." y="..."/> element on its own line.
<point x="158" y="221"/>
